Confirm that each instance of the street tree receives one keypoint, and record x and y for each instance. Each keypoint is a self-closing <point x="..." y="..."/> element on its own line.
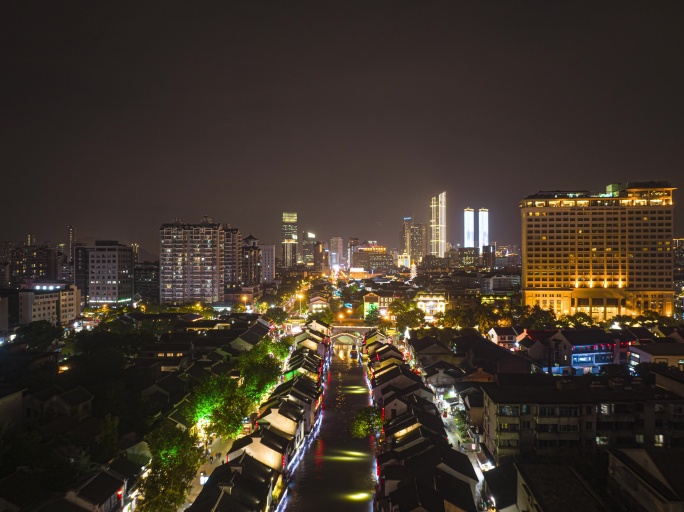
<point x="260" y="369"/>
<point x="219" y="402"/>
<point x="278" y="315"/>
<point x="39" y="335"/>
<point x="367" y="422"/>
<point x="325" y="316"/>
<point x="175" y="461"/>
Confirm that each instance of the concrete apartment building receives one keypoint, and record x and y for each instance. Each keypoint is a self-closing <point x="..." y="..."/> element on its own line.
<point x="552" y="420"/>
<point x="602" y="254"/>
<point x="192" y="265"/>
<point x="110" y="273"/>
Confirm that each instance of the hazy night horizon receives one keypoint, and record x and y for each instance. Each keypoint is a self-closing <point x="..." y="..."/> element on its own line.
<point x="120" y="117"/>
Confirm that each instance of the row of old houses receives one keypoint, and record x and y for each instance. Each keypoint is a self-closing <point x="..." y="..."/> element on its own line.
<point x="259" y="463"/>
<point x="417" y="467"/>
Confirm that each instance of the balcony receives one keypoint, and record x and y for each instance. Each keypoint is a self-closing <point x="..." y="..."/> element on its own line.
<point x="507" y="434"/>
<point x="546" y="420"/>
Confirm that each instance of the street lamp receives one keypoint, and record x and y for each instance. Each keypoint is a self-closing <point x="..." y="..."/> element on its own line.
<point x="244" y="299"/>
<point x="299" y="296"/>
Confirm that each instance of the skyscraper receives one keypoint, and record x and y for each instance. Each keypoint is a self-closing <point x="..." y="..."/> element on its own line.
<point x="308" y="248"/>
<point x="251" y="261"/>
<point x="232" y="256"/>
<point x="135" y="247"/>
<point x="438" y="225"/>
<point x="483" y="228"/>
<point x="110" y="273"/>
<point x="289" y="237"/>
<point x="71" y="243"/>
<point x="405" y="236"/>
<point x="412" y="240"/>
<point x="192" y="265"/>
<point x="602" y="254"/>
<point x="337" y="251"/>
<point x="418" y="243"/>
<point x="267" y="263"/>
<point x="352" y="243"/>
<point x="468" y="228"/>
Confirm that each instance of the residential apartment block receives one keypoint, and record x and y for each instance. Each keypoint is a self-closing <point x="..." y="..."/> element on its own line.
<point x="110" y="273"/>
<point x="602" y="254"/>
<point x="192" y="262"/>
<point x="551" y="420"/>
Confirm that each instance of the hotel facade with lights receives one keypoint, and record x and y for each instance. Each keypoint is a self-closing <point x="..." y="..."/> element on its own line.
<point x="601" y="254"/>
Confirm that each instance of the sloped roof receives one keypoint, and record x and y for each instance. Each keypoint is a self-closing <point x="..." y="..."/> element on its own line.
<point x="455" y="491"/>
<point x="502" y="482"/>
<point x="99" y="487"/>
<point x="76" y="396"/>
<point x="429" y="344"/>
<point x="581" y="337"/>
<point x="413" y="495"/>
<point x="555" y="485"/>
<point x="505" y="331"/>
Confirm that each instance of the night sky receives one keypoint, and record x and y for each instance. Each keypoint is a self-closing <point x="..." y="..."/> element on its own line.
<point x="119" y="116"/>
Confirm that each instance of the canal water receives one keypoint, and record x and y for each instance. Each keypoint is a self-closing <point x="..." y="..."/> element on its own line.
<point x="337" y="472"/>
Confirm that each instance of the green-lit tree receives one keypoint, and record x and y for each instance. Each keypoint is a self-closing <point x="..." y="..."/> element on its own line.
<point x="373" y="317"/>
<point x="261" y="367"/>
<point x="220" y="403"/>
<point x="175" y="461"/>
<point x="366" y="422"/>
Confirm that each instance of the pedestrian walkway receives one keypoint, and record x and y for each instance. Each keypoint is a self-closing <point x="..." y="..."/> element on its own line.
<point x="218" y="446"/>
<point x="457" y="443"/>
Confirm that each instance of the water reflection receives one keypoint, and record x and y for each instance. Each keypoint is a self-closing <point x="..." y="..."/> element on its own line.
<point x="337" y="472"/>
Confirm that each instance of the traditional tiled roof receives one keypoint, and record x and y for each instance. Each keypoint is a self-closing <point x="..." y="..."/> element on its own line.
<point x="76" y="396"/>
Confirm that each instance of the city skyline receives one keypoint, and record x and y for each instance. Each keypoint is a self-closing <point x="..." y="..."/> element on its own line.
<point x="486" y="103"/>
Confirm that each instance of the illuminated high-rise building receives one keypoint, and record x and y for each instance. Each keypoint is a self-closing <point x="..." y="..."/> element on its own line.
<point x="418" y="243"/>
<point x="438" y="225"/>
<point x="71" y="243"/>
<point x="135" y="247"/>
<point x="289" y="239"/>
<point x="601" y="254"/>
<point x="405" y="236"/>
<point x="337" y="251"/>
<point x="251" y="262"/>
<point x="412" y="240"/>
<point x="268" y="252"/>
<point x="232" y="256"/>
<point x="110" y="274"/>
<point x="308" y="248"/>
<point x="191" y="262"/>
<point x="352" y="243"/>
<point x="483" y="228"/>
<point x="468" y="228"/>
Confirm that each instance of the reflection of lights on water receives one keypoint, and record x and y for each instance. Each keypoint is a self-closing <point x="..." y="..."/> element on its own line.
<point x="359" y="496"/>
<point x="353" y="390"/>
<point x="283" y="502"/>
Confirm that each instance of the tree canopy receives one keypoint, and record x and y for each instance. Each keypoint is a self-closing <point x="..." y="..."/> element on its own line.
<point x="367" y="422"/>
<point x="39" y="335"/>
<point x="221" y="403"/>
<point x="175" y="461"/>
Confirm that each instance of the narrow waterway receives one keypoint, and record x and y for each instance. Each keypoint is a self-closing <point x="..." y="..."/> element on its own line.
<point x="336" y="473"/>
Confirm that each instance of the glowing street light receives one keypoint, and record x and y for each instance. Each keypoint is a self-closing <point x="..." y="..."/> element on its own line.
<point x="244" y="299"/>
<point x="299" y="296"/>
